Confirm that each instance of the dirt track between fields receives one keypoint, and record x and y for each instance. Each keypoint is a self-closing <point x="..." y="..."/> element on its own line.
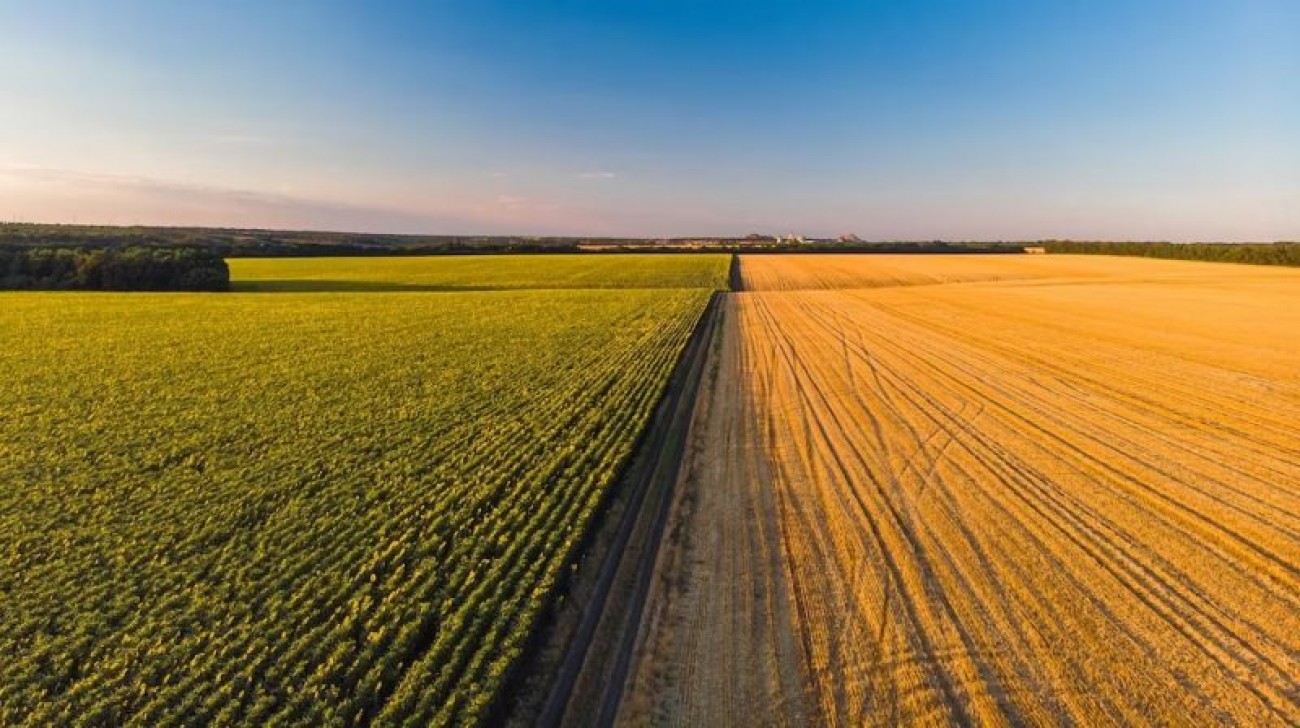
<point x="1030" y="495"/>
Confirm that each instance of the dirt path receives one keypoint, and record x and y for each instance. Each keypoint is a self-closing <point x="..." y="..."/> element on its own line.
<point x="719" y="639"/>
<point x="1025" y="501"/>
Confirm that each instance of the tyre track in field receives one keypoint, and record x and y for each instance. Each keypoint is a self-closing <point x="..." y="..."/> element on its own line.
<point x="1014" y="409"/>
<point x="936" y="456"/>
<point x="930" y="581"/>
<point x="1015" y="406"/>
<point x="1148" y="575"/>
<point x="1138" y="403"/>
<point x="1022" y="670"/>
<point x="1189" y="405"/>
<point x="894" y="537"/>
<point x="1082" y="516"/>
<point x="904" y="528"/>
<point x="826" y="551"/>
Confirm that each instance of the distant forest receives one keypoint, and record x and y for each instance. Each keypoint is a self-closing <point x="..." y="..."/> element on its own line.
<point x="112" y="269"/>
<point x="1257" y="254"/>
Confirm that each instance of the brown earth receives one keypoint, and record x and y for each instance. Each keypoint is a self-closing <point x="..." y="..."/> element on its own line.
<point x="1066" y="493"/>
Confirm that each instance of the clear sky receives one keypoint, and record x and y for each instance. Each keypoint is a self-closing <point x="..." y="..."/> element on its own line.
<point x="997" y="119"/>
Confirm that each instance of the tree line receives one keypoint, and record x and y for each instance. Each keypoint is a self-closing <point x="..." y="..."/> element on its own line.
<point x="1257" y="254"/>
<point x="235" y="243"/>
<point x="238" y="243"/>
<point x="113" y="269"/>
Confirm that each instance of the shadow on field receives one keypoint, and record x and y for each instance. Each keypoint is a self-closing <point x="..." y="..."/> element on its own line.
<point x="322" y="286"/>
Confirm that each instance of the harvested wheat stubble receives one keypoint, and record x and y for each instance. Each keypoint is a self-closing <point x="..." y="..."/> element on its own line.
<point x="1043" y="500"/>
<point x="782" y="272"/>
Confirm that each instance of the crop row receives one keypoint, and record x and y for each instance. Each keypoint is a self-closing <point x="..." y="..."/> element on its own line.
<point x="326" y="510"/>
<point x="480" y="272"/>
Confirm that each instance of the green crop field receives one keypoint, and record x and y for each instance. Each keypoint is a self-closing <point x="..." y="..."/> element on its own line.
<point x="477" y="272"/>
<point x="304" y="508"/>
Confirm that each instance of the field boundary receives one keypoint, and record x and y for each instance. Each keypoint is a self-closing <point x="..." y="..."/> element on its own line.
<point x="589" y="679"/>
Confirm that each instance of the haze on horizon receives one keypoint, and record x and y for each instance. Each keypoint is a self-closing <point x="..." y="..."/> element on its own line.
<point x="1150" y="119"/>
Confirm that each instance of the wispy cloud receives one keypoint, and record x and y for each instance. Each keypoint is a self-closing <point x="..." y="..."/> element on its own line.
<point x="37" y="193"/>
<point x="74" y="180"/>
<point x="516" y="203"/>
<point x="596" y="175"/>
<point x="241" y="140"/>
<point x="29" y="192"/>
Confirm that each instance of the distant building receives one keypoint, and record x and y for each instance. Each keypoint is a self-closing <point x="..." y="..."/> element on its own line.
<point x="1036" y="249"/>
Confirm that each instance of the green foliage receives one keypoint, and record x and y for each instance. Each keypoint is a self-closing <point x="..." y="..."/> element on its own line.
<point x="302" y="509"/>
<point x="1258" y="254"/>
<point x="630" y="270"/>
<point x="128" y="269"/>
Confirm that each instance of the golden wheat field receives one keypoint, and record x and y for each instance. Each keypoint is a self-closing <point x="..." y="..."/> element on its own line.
<point x="995" y="490"/>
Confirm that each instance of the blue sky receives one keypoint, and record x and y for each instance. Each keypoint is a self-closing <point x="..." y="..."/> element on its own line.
<point x="1144" y="119"/>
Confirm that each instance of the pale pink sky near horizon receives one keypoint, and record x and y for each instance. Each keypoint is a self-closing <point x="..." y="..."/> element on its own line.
<point x="30" y="193"/>
<point x="39" y="194"/>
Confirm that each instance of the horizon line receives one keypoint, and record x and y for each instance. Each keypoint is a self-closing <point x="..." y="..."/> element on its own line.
<point x="737" y="238"/>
